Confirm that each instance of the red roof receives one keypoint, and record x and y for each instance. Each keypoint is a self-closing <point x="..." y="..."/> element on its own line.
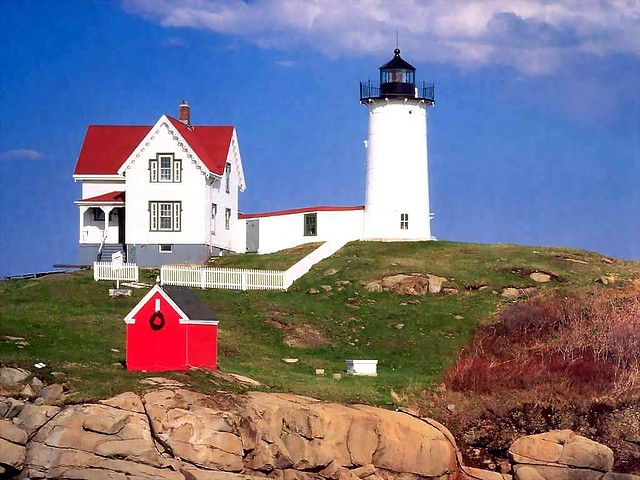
<point x="299" y="210"/>
<point x="111" y="197"/>
<point x="211" y="144"/>
<point x="106" y="147"/>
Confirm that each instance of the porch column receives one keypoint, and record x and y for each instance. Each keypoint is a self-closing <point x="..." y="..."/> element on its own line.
<point x="107" y="211"/>
<point x="83" y="234"/>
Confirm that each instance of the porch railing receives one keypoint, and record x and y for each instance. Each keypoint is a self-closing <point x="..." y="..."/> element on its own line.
<point x="226" y="278"/>
<point x="108" y="271"/>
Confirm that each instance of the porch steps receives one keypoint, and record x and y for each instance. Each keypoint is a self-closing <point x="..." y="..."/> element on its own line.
<point x="109" y="249"/>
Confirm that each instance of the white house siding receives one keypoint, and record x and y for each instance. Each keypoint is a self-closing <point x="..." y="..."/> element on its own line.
<point x="94" y="188"/>
<point x="189" y="244"/>
<point x="216" y="193"/>
<point x="397" y="171"/>
<point x="277" y="232"/>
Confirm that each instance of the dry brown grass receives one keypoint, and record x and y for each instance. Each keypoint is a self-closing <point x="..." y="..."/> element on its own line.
<point x="580" y="345"/>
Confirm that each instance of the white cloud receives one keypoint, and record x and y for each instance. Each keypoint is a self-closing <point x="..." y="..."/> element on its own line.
<point x="20" y="154"/>
<point x="534" y="36"/>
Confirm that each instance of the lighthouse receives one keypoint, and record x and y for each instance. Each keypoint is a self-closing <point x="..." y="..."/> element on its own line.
<point x="397" y="185"/>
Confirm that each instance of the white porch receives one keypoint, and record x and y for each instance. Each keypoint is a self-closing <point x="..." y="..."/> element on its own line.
<point x="102" y="223"/>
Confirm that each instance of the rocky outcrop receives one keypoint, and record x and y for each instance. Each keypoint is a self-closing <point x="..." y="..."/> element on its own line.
<point x="175" y="434"/>
<point x="562" y="455"/>
<point x="408" y="284"/>
<point x="178" y="434"/>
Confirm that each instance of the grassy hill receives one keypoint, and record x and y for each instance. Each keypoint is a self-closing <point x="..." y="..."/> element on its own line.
<point x="68" y="321"/>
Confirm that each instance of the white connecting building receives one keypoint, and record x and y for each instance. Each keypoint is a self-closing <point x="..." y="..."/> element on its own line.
<point x="168" y="193"/>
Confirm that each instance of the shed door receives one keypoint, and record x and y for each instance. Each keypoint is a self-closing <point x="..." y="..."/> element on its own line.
<point x="253" y="235"/>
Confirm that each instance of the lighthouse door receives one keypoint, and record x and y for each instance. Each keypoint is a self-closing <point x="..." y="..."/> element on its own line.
<point x="253" y="235"/>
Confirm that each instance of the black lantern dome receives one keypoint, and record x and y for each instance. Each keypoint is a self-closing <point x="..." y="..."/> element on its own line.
<point x="397" y="80"/>
<point x="397" y="77"/>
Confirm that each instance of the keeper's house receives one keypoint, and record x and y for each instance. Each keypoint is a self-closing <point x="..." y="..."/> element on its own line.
<point x="166" y="193"/>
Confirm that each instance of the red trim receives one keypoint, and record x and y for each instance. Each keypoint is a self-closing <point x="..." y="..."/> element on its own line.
<point x="299" y="210"/>
<point x="111" y="197"/>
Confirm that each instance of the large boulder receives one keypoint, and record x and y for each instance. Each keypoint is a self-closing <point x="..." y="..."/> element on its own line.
<point x="12" y="446"/>
<point x="176" y="434"/>
<point x="559" y="455"/>
<point x="11" y="376"/>
<point x="408" y="284"/>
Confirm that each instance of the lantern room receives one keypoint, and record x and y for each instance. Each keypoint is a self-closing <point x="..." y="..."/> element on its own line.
<point x="397" y="77"/>
<point x="397" y="80"/>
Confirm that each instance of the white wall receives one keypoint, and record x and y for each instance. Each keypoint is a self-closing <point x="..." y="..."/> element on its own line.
<point x="191" y="191"/>
<point x="397" y="171"/>
<point x="93" y="188"/>
<point x="216" y="193"/>
<point x="284" y="231"/>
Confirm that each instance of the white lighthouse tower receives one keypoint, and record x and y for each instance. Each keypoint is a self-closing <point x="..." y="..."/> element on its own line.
<point x="397" y="189"/>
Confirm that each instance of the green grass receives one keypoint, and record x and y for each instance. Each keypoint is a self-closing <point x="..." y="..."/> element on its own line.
<point x="273" y="261"/>
<point x="72" y="325"/>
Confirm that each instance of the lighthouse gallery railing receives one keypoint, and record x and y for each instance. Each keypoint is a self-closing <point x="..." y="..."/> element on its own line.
<point x="424" y="91"/>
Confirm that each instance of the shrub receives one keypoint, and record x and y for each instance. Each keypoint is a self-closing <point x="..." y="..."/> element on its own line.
<point x="586" y="343"/>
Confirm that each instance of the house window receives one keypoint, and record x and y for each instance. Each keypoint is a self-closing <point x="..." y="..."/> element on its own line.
<point x="404" y="221"/>
<point x="165" y="248"/>
<point x="310" y="224"/>
<point x="227" y="173"/>
<point x="214" y="214"/>
<point x="165" y="216"/>
<point x="227" y="218"/>
<point x="165" y="168"/>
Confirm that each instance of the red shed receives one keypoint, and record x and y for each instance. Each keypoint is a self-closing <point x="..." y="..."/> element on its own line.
<point x="170" y="329"/>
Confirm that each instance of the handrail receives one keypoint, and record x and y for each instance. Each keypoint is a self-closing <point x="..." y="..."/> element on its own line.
<point x="101" y="247"/>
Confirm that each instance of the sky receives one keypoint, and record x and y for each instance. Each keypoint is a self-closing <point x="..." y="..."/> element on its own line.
<point x="534" y="137"/>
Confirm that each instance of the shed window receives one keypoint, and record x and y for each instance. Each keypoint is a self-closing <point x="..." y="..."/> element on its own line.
<point x="310" y="224"/>
<point x="165" y="248"/>
<point x="404" y="221"/>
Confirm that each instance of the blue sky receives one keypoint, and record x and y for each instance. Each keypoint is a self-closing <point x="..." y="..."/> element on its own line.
<point x="534" y="138"/>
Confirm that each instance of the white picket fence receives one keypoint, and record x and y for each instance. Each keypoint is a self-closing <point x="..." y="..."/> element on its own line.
<point x="108" y="271"/>
<point x="228" y="278"/>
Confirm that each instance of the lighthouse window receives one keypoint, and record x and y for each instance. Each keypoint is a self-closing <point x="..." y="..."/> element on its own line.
<point x="310" y="224"/>
<point x="404" y="221"/>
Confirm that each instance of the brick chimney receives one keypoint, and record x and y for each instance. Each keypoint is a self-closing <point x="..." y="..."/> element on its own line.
<point x="184" y="113"/>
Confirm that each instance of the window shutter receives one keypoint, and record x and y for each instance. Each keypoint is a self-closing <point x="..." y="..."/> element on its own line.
<point x="153" y="215"/>
<point x="153" y="170"/>
<point x="177" y="170"/>
<point x="177" y="210"/>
